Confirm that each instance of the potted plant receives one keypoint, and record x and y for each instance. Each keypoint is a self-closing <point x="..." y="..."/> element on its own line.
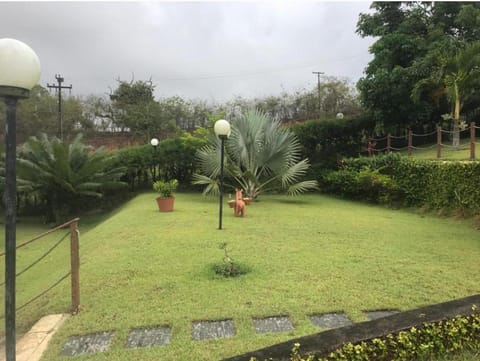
<point x="165" y="189"/>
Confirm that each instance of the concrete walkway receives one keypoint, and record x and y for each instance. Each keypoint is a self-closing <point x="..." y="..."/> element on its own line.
<point x="33" y="344"/>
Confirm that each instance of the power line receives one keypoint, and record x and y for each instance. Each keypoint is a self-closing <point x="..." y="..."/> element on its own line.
<point x="258" y="72"/>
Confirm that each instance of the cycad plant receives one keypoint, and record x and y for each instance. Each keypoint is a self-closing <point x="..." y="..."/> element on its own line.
<point x="64" y="174"/>
<point x="260" y="156"/>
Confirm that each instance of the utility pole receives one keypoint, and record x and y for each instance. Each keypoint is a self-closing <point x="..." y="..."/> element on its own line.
<point x="59" y="88"/>
<point x="319" y="73"/>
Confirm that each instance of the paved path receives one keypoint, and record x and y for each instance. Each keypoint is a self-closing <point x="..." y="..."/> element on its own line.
<point x="33" y="344"/>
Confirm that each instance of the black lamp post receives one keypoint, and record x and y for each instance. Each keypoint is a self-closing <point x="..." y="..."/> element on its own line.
<point x="222" y="130"/>
<point x="154" y="143"/>
<point x="19" y="72"/>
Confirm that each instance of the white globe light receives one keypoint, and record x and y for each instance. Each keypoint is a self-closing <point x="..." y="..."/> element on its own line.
<point x="19" y="65"/>
<point x="154" y="142"/>
<point x="339" y="115"/>
<point x="222" y="128"/>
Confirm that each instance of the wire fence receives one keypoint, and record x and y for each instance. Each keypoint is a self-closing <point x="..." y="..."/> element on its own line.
<point x="74" y="264"/>
<point x="440" y="139"/>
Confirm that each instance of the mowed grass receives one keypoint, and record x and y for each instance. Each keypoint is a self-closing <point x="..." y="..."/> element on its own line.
<point x="49" y="270"/>
<point x="308" y="255"/>
<point x="429" y="151"/>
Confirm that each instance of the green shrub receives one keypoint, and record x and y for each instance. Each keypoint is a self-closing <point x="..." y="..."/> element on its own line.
<point x="138" y="161"/>
<point x="395" y="179"/>
<point x="176" y="157"/>
<point x="165" y="188"/>
<point x="326" y="141"/>
<point x="422" y="343"/>
<point x="171" y="159"/>
<point x="229" y="268"/>
<point x="440" y="185"/>
<point x="343" y="182"/>
<point x="361" y="179"/>
<point x="383" y="162"/>
<point x="411" y="176"/>
<point x="378" y="188"/>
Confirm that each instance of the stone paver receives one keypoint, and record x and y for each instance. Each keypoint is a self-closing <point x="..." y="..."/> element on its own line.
<point x="206" y="330"/>
<point x="86" y="344"/>
<point x="161" y="335"/>
<point x="149" y="337"/>
<point x="273" y="324"/>
<point x="374" y="315"/>
<point x="330" y="320"/>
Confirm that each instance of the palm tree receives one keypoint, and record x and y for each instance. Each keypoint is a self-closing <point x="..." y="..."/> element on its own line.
<point x="454" y="75"/>
<point x="64" y="174"/>
<point x="260" y="156"/>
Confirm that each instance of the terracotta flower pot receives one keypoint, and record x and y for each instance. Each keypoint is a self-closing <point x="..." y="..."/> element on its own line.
<point x="165" y="204"/>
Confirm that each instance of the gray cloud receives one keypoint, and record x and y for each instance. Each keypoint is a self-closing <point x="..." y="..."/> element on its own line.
<point x="207" y="50"/>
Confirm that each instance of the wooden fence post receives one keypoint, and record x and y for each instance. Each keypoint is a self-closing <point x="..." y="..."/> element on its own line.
<point x="439" y="142"/>
<point x="75" y="267"/>
<point x="389" y="143"/>
<point x="410" y="141"/>
<point x="472" y="141"/>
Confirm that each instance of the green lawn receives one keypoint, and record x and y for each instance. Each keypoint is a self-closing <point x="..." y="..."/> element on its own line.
<point x="310" y="254"/>
<point x="43" y="275"/>
<point x="429" y="151"/>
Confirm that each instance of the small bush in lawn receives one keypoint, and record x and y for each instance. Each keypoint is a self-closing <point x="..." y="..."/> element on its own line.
<point x="229" y="268"/>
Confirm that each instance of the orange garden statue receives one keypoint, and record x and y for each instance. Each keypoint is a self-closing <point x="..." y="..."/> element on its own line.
<point x="238" y="205"/>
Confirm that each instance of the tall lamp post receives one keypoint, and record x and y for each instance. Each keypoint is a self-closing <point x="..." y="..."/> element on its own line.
<point x="222" y="130"/>
<point x="19" y="72"/>
<point x="154" y="143"/>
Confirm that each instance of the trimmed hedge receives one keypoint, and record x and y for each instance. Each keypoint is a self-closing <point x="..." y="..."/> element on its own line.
<point x="173" y="158"/>
<point x="432" y="339"/>
<point x="400" y="180"/>
<point x="324" y="141"/>
<point x="437" y="185"/>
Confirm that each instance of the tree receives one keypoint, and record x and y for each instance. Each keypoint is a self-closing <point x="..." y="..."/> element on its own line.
<point x="38" y="113"/>
<point x="388" y="82"/>
<point x="455" y="74"/>
<point x="135" y="108"/>
<point x="97" y="113"/>
<point x="175" y="111"/>
<point x="64" y="174"/>
<point x="260" y="156"/>
<point x="408" y="34"/>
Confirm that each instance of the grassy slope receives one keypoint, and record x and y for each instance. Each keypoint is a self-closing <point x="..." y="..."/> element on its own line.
<point x="447" y="153"/>
<point x="44" y="274"/>
<point x="311" y="254"/>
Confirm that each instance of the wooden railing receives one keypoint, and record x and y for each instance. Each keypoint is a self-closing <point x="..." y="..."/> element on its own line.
<point x="74" y="262"/>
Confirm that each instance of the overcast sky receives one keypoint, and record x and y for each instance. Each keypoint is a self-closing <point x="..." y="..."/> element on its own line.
<point x="198" y="50"/>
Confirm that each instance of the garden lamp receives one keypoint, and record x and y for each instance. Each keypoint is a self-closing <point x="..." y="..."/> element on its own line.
<point x="222" y="130"/>
<point x="19" y="72"/>
<point x="154" y="143"/>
